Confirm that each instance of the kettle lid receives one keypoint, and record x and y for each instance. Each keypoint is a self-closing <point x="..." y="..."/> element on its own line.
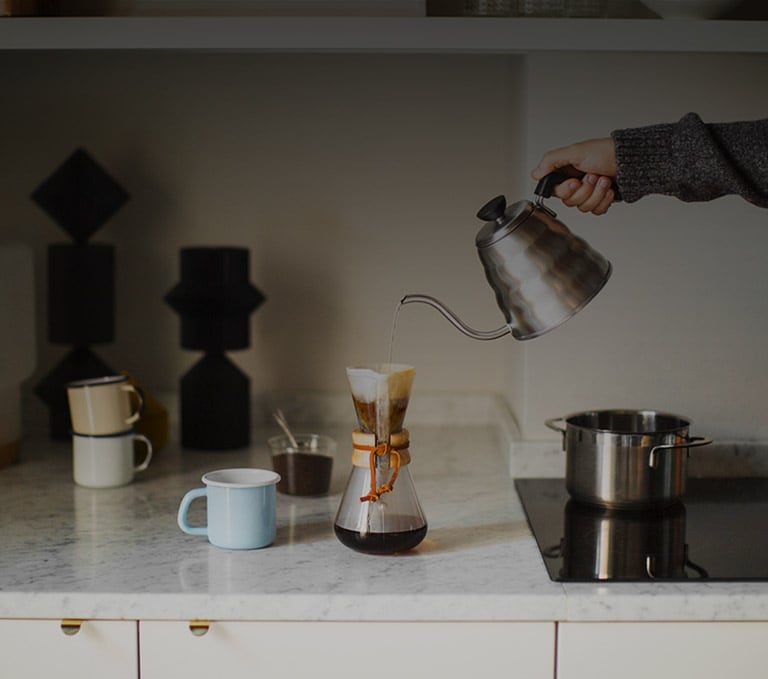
<point x="501" y="220"/>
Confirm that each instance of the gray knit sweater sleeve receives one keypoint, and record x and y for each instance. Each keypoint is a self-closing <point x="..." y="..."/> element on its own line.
<point x="694" y="161"/>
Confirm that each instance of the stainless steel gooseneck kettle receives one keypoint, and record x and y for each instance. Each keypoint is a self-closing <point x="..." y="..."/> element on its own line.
<point x="542" y="273"/>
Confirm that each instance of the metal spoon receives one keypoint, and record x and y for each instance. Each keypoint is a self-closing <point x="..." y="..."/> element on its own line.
<point x="280" y="419"/>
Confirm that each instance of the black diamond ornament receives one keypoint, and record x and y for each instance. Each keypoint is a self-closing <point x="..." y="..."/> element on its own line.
<point x="80" y="196"/>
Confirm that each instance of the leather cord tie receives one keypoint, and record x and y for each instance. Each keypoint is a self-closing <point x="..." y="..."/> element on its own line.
<point x="378" y="451"/>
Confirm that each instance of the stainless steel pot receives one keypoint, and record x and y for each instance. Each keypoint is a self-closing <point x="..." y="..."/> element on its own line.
<point x="626" y="458"/>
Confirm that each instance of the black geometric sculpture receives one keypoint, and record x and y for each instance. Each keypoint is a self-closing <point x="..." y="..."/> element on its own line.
<point x="81" y="293"/>
<point x="80" y="197"/>
<point x="214" y="300"/>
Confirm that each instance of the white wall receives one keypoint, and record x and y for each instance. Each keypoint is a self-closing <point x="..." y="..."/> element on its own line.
<point x="354" y="180"/>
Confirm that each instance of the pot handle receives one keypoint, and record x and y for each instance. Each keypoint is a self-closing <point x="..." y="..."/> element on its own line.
<point x="551" y="424"/>
<point x="701" y="572"/>
<point x="692" y="442"/>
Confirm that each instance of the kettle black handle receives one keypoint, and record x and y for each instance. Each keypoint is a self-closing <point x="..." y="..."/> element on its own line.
<point x="547" y="183"/>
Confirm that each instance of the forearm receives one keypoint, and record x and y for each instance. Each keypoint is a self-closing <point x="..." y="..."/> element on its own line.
<point x="694" y="161"/>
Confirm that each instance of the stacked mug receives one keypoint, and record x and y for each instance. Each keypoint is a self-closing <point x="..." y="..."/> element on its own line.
<point x="103" y="411"/>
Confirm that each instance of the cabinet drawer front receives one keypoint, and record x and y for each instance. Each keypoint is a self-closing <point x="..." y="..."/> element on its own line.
<point x="350" y="650"/>
<point x="639" y="650"/>
<point x="93" y="649"/>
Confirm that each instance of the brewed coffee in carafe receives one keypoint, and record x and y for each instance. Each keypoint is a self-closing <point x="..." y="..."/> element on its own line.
<point x="379" y="511"/>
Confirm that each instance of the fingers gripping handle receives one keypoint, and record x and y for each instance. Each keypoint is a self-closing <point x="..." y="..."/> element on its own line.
<point x="547" y="184"/>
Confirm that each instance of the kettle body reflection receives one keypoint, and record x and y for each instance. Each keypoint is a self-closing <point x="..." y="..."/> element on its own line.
<point x="541" y="273"/>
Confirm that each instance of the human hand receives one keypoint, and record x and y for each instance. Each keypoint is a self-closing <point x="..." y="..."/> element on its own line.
<point x="594" y="161"/>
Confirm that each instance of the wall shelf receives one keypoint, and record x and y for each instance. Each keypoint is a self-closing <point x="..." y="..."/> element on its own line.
<point x="382" y="34"/>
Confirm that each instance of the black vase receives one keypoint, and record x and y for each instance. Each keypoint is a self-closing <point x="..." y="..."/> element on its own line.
<point x="80" y="197"/>
<point x="214" y="300"/>
<point x="81" y="293"/>
<point x="215" y="405"/>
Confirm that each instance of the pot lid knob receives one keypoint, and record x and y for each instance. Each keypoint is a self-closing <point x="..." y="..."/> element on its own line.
<point x="493" y="210"/>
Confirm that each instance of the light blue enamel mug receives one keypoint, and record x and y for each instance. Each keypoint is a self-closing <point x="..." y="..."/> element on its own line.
<point x="240" y="508"/>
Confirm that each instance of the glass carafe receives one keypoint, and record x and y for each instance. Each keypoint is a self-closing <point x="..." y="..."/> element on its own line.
<point x="379" y="511"/>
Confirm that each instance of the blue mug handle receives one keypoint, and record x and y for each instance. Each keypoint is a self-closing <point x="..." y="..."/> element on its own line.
<point x="184" y="508"/>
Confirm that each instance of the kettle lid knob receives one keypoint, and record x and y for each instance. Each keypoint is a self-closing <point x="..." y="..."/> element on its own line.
<point x="493" y="210"/>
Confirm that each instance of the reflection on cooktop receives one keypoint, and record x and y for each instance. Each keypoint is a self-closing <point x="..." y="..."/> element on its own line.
<point x="719" y="532"/>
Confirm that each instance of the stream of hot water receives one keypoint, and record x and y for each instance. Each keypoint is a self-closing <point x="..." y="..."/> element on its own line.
<point x="392" y="335"/>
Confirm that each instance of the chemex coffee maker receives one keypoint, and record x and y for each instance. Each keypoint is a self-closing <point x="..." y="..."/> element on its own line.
<point x="379" y="511"/>
<point x="541" y="272"/>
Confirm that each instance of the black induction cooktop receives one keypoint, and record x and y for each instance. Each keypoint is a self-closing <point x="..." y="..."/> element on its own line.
<point x="719" y="532"/>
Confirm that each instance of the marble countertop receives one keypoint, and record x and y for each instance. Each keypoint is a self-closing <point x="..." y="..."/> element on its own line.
<point x="69" y="551"/>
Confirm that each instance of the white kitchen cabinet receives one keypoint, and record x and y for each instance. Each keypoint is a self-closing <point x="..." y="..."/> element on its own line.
<point x="374" y="650"/>
<point x="639" y="650"/>
<point x="68" y="649"/>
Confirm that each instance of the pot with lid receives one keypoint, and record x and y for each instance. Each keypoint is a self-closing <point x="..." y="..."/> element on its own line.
<point x="626" y="459"/>
<point x="541" y="272"/>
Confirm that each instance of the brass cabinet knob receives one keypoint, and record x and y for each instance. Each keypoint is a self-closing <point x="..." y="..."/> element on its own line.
<point x="71" y="626"/>
<point x="199" y="627"/>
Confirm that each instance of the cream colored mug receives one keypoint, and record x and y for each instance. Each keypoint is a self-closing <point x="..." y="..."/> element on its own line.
<point x="102" y="405"/>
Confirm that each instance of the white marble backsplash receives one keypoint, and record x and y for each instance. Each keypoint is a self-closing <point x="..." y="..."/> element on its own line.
<point x="525" y="458"/>
<point x="544" y="458"/>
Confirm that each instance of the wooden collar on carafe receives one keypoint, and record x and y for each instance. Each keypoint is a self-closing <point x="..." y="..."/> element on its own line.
<point x="363" y="443"/>
<point x="365" y="450"/>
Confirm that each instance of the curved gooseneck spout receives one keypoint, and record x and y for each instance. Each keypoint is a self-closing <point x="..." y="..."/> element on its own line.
<point x="455" y="320"/>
